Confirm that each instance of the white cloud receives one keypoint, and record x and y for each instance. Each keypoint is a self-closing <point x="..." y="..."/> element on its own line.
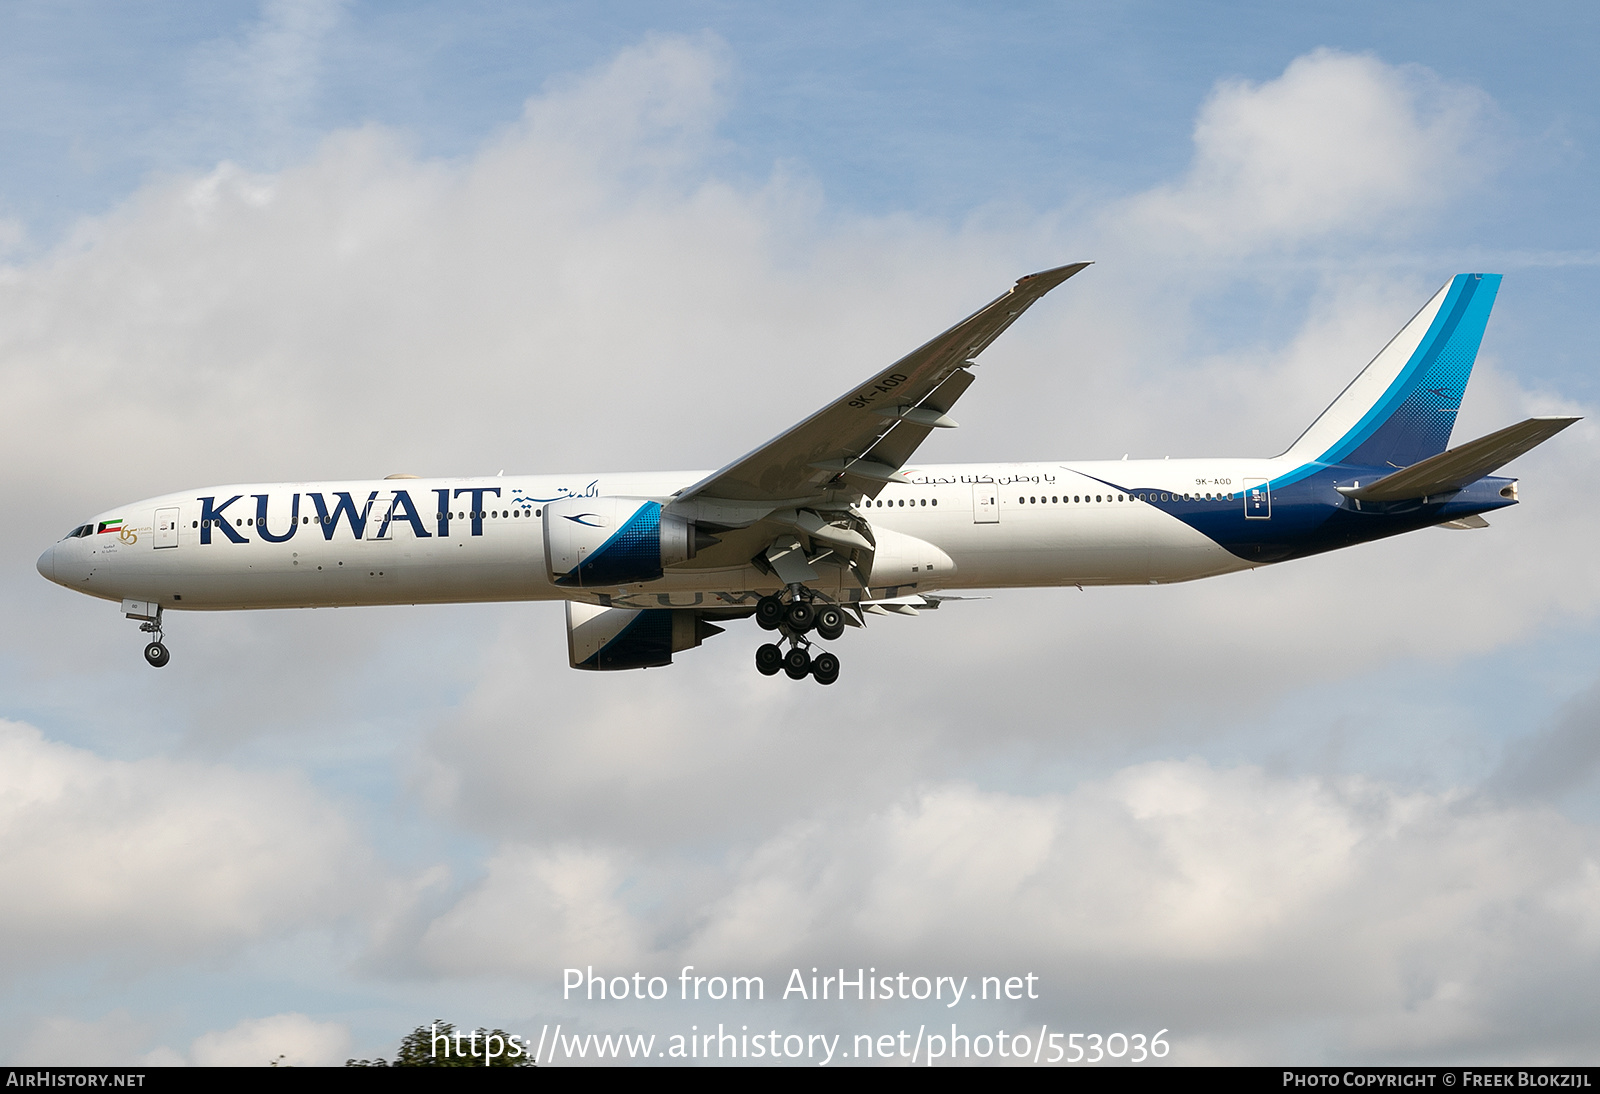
<point x="533" y="904"/>
<point x="1234" y="906"/>
<point x="255" y="90"/>
<point x="118" y="1039"/>
<point x="59" y="1041"/>
<point x="1339" y="143"/>
<point x="287" y="1040"/>
<point x="154" y="859"/>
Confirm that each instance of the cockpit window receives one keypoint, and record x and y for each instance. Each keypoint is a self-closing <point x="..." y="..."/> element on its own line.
<point x="80" y="531"/>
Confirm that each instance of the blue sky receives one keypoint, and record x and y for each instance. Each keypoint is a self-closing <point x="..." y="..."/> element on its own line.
<point x="264" y="242"/>
<point x="938" y="108"/>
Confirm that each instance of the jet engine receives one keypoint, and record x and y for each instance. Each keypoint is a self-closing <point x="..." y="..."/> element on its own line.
<point x="598" y="542"/>
<point x="606" y="639"/>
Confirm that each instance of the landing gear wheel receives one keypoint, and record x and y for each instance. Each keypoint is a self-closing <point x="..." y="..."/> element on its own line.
<point x="797" y="663"/>
<point x="830" y="623"/>
<point x="800" y="617"/>
<point x="769" y="659"/>
<point x="825" y="668"/>
<point x="769" y="613"/>
<point x="156" y="655"/>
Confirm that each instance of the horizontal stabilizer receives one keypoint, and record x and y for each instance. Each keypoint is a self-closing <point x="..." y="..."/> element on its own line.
<point x="1450" y="471"/>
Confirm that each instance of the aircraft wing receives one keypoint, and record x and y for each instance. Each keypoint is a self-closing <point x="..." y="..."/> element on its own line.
<point x="859" y="442"/>
<point x="1464" y="464"/>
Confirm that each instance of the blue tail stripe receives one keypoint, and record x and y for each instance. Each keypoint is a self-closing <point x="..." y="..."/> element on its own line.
<point x="1414" y="418"/>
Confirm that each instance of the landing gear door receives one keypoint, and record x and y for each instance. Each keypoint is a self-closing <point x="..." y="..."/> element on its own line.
<point x="1257" y="500"/>
<point x="166" y="529"/>
<point x="378" y="518"/>
<point x="985" y="503"/>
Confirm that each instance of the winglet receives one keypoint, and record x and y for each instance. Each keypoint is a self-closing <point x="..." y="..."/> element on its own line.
<point x="1056" y="274"/>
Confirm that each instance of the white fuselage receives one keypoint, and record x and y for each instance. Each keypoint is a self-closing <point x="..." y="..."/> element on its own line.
<point x="1048" y="524"/>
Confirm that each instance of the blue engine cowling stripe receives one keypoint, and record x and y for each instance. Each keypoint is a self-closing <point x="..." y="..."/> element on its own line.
<point x="646" y="642"/>
<point x="632" y="553"/>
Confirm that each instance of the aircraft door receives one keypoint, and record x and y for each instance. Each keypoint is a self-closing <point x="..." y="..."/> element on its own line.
<point x="378" y="518"/>
<point x="985" y="503"/>
<point x="166" y="528"/>
<point x="1257" y="500"/>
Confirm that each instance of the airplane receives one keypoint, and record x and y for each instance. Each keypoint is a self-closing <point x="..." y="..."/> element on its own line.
<point x="831" y="522"/>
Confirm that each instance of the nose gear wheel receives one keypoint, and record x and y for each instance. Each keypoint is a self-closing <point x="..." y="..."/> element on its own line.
<point x="156" y="654"/>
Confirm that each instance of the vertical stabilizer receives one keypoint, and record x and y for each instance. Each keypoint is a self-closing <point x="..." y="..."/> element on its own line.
<point x="1403" y="406"/>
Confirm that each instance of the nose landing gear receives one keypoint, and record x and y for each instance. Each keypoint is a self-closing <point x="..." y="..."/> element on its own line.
<point x="793" y="619"/>
<point x="155" y="654"/>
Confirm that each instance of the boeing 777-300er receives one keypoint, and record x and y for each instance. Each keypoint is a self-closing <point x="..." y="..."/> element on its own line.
<point x="830" y="521"/>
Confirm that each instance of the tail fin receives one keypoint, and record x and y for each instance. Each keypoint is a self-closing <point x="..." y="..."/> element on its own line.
<point x="1403" y="406"/>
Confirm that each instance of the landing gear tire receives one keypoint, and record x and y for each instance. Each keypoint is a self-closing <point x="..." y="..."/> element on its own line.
<point x="156" y="655"/>
<point x="797" y="664"/>
<point x="825" y="668"/>
<point x="769" y="613"/>
<point x="830" y="623"/>
<point x="800" y="617"/>
<point x="769" y="659"/>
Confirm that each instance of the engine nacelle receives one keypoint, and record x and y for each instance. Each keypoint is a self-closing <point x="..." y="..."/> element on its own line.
<point x="599" y="542"/>
<point x="607" y="639"/>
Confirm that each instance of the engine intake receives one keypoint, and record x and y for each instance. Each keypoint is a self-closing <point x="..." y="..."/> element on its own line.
<point x="596" y="542"/>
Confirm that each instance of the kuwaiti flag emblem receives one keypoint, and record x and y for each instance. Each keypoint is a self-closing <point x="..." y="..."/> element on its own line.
<point x="111" y="525"/>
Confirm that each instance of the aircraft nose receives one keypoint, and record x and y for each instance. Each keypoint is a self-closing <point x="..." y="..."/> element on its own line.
<point x="47" y="564"/>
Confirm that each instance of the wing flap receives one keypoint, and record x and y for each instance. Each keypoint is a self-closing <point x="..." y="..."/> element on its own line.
<point x="896" y="446"/>
<point x="1451" y="470"/>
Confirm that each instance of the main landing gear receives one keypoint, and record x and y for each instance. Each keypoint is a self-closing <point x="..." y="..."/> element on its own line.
<point x="793" y="619"/>
<point x="155" y="654"/>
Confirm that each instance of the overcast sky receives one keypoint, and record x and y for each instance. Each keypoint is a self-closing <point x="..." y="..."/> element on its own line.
<point x="1341" y="810"/>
